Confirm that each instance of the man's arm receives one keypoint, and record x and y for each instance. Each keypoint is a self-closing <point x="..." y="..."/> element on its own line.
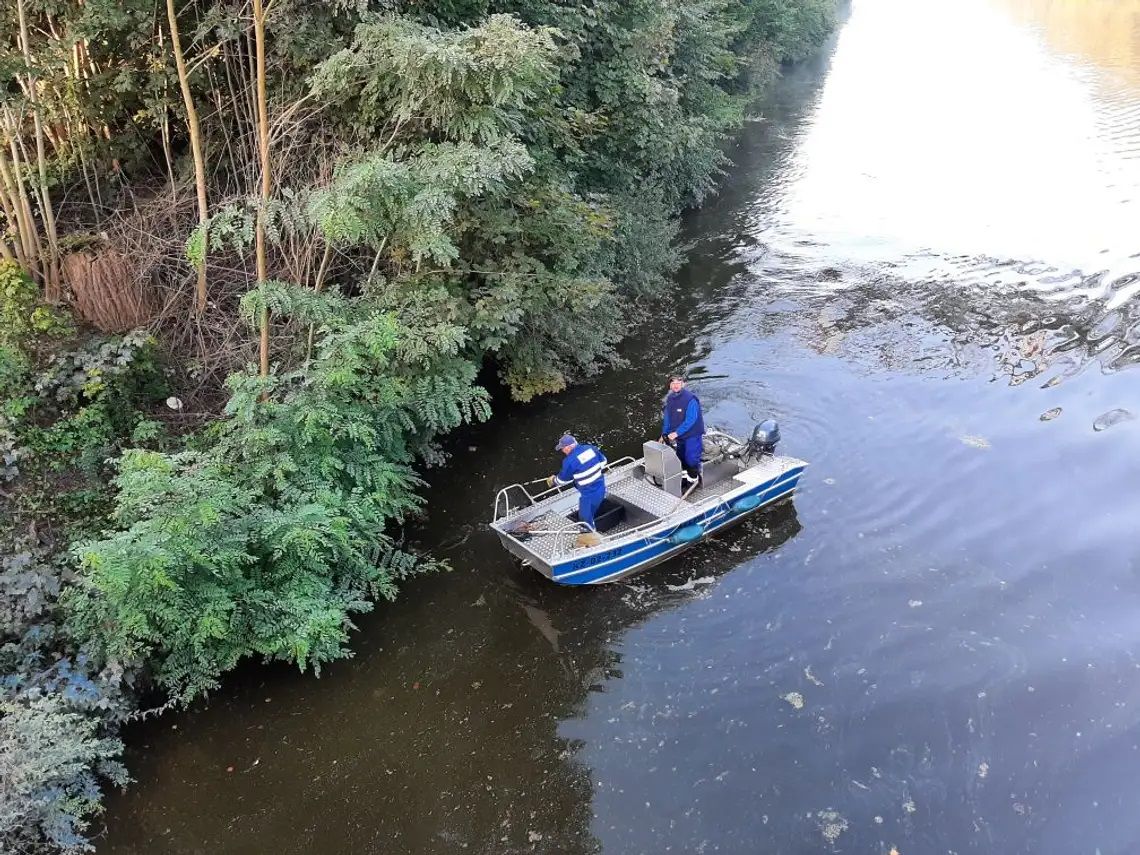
<point x="566" y="474"/>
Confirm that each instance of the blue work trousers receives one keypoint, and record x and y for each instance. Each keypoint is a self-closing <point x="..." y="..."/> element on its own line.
<point x="589" y="500"/>
<point x="689" y="450"/>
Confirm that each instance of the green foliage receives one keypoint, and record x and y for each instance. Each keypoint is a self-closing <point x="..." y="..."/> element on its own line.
<point x="792" y="30"/>
<point x="51" y="759"/>
<point x="409" y="202"/>
<point x="60" y="417"/>
<point x="23" y="321"/>
<point x="268" y="541"/>
<point x="53" y="743"/>
<point x="9" y="453"/>
<point x="84" y="402"/>
<point x="119" y="367"/>
<point x="550" y="206"/>
<point x="196" y="246"/>
<point x="126" y="70"/>
<point x="470" y="84"/>
<point x="15" y="400"/>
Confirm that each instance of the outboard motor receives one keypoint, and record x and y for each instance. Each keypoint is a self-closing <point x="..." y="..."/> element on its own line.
<point x="764" y="438"/>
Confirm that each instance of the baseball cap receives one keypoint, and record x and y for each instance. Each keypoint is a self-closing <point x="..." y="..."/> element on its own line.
<point x="566" y="441"/>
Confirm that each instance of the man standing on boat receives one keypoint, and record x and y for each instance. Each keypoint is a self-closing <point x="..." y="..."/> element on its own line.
<point x="583" y="467"/>
<point x="684" y="427"/>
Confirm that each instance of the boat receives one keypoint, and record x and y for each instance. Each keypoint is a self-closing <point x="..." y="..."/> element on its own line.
<point x="651" y="512"/>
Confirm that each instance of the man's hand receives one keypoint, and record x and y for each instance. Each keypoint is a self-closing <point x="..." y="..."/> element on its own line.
<point x="673" y="436"/>
<point x="550" y="481"/>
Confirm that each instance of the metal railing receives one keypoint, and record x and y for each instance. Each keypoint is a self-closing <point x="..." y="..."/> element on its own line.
<point x="503" y="496"/>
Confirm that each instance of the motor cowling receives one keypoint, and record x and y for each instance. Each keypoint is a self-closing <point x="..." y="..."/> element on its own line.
<point x="764" y="437"/>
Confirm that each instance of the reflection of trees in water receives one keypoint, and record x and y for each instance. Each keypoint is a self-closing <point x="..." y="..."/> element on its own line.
<point x="1104" y="32"/>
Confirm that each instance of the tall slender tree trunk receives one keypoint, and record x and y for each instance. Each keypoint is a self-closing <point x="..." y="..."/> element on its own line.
<point x="13" y="210"/>
<point x="26" y="223"/>
<point x="266" y="184"/>
<point x="51" y="263"/>
<point x="194" y="128"/>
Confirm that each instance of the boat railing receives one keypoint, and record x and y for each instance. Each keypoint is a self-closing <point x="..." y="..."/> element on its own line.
<point x="503" y="497"/>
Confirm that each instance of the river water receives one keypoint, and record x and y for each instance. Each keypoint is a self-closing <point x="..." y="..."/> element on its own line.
<point x="925" y="263"/>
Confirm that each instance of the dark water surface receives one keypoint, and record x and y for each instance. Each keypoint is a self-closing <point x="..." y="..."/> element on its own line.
<point x="924" y="262"/>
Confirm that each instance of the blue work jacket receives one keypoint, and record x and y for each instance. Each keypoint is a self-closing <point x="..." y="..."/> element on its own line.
<point x="583" y="468"/>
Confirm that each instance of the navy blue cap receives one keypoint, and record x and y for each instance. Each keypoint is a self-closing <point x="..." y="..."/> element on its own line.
<point x="565" y="442"/>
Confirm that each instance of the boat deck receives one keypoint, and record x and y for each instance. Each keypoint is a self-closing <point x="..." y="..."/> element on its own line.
<point x="648" y="497"/>
<point x="629" y="487"/>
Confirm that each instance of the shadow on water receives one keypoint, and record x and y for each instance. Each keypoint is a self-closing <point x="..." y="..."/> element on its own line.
<point x="442" y="735"/>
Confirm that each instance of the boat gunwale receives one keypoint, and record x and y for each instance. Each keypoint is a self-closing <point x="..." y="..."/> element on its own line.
<point x="730" y="520"/>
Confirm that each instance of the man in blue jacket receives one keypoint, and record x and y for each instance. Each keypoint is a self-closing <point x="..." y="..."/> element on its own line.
<point x="583" y="467"/>
<point x="684" y="427"/>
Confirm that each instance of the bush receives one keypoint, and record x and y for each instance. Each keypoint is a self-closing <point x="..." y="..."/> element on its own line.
<point x="78" y="410"/>
<point x="61" y="415"/>
<point x="23" y="321"/>
<point x="51" y="761"/>
<point x="269" y="540"/>
<point x="54" y="714"/>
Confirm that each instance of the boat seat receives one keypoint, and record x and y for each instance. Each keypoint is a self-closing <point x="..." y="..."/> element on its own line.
<point x="644" y="496"/>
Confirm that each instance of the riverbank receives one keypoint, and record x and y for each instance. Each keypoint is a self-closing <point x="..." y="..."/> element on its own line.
<point x="951" y="596"/>
<point x="504" y="192"/>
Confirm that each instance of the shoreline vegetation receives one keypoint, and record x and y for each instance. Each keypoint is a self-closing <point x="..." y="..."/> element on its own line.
<point x="254" y="258"/>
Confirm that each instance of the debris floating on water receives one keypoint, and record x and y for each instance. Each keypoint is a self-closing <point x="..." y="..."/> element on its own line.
<point x="975" y="441"/>
<point x="831" y="825"/>
<point x="812" y="677"/>
<point x="795" y="699"/>
<point x="983" y="770"/>
<point x="1049" y="415"/>
<point x="691" y="584"/>
<point x="914" y="604"/>
<point x="1112" y="418"/>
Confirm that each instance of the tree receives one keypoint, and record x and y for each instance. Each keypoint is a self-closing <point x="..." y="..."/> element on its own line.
<point x="195" y="132"/>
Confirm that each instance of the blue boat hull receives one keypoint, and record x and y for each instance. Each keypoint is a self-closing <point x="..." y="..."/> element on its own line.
<point x="622" y="561"/>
